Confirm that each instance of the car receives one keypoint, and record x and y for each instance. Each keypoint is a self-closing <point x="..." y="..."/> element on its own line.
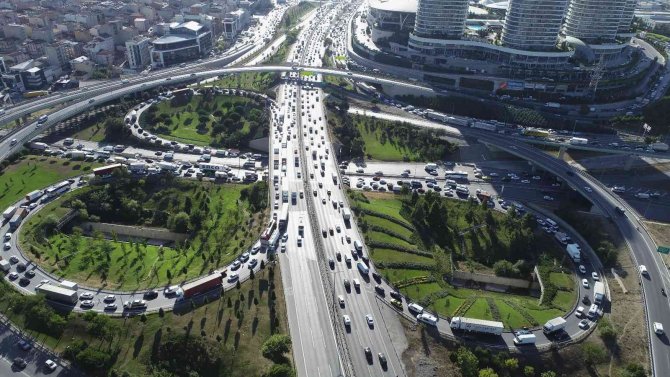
<point x="595" y="276"/>
<point x="340" y="300"/>
<point x="252" y="263"/>
<point x="7" y="246"/>
<point x="150" y="295"/>
<point x="584" y="324"/>
<point x="8" y="236"/>
<point x="323" y="201"/>
<point x="232" y="277"/>
<point x="548" y="198"/>
<point x="588" y="189"/>
<point x="14" y="259"/>
<point x="235" y="265"/>
<point x="86" y="296"/>
<point x="585" y="284"/>
<point x="582" y="269"/>
<point x="13" y="276"/>
<point x="29" y="274"/>
<point x="380" y="290"/>
<point x="50" y="365"/>
<point x="24" y="345"/>
<point x="658" y="328"/>
<point x="368" y="354"/>
<point x="580" y="311"/>
<point x="382" y="360"/>
<point x="244" y="257"/>
<point x="110" y="307"/>
<point x="87" y="304"/>
<point x="19" y="363"/>
<point x="370" y="321"/>
<point x="347" y="320"/>
<point x="347" y="285"/>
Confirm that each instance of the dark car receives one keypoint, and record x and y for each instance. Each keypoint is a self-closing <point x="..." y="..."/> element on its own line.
<point x="21" y="267"/>
<point x="380" y="290"/>
<point x="331" y="262"/>
<point x="338" y="255"/>
<point x="368" y="354"/>
<point x="24" y="281"/>
<point x="377" y="277"/>
<point x="24" y="345"/>
<point x="347" y="285"/>
<point x="150" y="295"/>
<point x="30" y="274"/>
<point x="20" y="363"/>
<point x="396" y="295"/>
<point x="382" y="360"/>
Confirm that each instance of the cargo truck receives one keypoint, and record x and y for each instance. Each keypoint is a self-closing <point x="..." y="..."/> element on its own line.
<point x="554" y="105"/>
<point x="484" y="126"/>
<point x="346" y="214"/>
<point x="524" y="339"/>
<point x="69" y="285"/>
<point x="5" y="266"/>
<point x="34" y="195"/>
<point x="9" y="212"/>
<point x="60" y="294"/>
<point x="428" y="319"/>
<point x="574" y="251"/>
<point x="554" y="325"/>
<point x="202" y="285"/>
<point x="38" y="146"/>
<point x="579" y="141"/>
<point x="15" y="221"/>
<point x="598" y="292"/>
<point x="477" y="325"/>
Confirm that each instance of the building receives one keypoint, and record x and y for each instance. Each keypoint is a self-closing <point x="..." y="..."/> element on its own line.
<point x="57" y="55"/>
<point x="627" y="16"/>
<point x="29" y="75"/>
<point x="440" y="19"/>
<point x="15" y="31"/>
<point x="138" y="53"/>
<point x="234" y="22"/>
<point x="533" y="25"/>
<point x="594" y="21"/>
<point x="391" y="19"/>
<point x="82" y="64"/>
<point x="185" y="42"/>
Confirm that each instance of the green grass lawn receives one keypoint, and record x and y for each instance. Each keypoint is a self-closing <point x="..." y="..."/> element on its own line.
<point x="224" y="234"/>
<point x="397" y="228"/>
<point x="511" y="317"/>
<point x="383" y="151"/>
<point x="256" y="81"/>
<point x="421" y="290"/>
<point x="387" y="255"/>
<point x="562" y="280"/>
<point x="564" y="300"/>
<point x="37" y="172"/>
<point x="395" y="275"/>
<point x="387" y="206"/>
<point x="238" y="323"/>
<point x="383" y="237"/>
<point x="95" y="133"/>
<point x="480" y="309"/>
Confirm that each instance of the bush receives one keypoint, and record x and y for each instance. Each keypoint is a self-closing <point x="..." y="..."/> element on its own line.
<point x="280" y="370"/>
<point x="276" y="346"/>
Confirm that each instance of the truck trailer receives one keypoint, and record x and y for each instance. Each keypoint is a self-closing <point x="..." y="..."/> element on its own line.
<point x="427" y="318"/>
<point x="9" y="212"/>
<point x="598" y="292"/>
<point x="34" y="195"/>
<point x="346" y="214"/>
<point x="202" y="285"/>
<point x="15" y="221"/>
<point x="484" y="126"/>
<point x="60" y="294"/>
<point x="554" y="325"/>
<point x="5" y="266"/>
<point x="364" y="270"/>
<point x="38" y="145"/>
<point x="69" y="285"/>
<point x="477" y="325"/>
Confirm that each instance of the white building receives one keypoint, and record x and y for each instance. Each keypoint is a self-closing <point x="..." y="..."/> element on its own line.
<point x="594" y="21"/>
<point x="533" y="24"/>
<point x="441" y="19"/>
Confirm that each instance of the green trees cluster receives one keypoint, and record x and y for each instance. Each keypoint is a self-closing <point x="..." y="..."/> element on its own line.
<point x="183" y="355"/>
<point x="594" y="233"/>
<point x="256" y="195"/>
<point x="480" y="362"/>
<point x="38" y="315"/>
<point x="275" y="347"/>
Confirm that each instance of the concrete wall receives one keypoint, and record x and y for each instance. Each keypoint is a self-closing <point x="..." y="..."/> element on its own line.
<point x="492" y="279"/>
<point x="262" y="144"/>
<point x="134" y="231"/>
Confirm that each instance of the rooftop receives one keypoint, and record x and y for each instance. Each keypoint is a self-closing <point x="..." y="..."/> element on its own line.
<point x="172" y="38"/>
<point x="407" y="6"/>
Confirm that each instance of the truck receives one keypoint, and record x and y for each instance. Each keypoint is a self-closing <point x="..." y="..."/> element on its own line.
<point x="202" y="285"/>
<point x="57" y="293"/>
<point x="598" y="292"/>
<point x="574" y="251"/>
<point x="346" y="214"/>
<point x="76" y="155"/>
<point x="5" y="266"/>
<point x="38" y="145"/>
<point x="522" y="339"/>
<point x="553" y="105"/>
<point x="659" y="147"/>
<point x="106" y="170"/>
<point x="9" y="212"/>
<point x="34" y="195"/>
<point x="642" y="195"/>
<point x="484" y="126"/>
<point x="578" y="141"/>
<point x="314" y="154"/>
<point x="69" y="285"/>
<point x="15" y="221"/>
<point x="561" y="237"/>
<point x="334" y="178"/>
<point x="427" y="318"/>
<point x="554" y="325"/>
<point x="477" y="325"/>
<point x="434" y="115"/>
<point x="430" y="166"/>
<point x="362" y="268"/>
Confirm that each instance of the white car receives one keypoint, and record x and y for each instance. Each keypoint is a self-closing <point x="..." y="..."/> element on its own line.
<point x="584" y="324"/>
<point x="232" y="277"/>
<point x="658" y="328"/>
<point x="347" y="320"/>
<point x="585" y="283"/>
<point x="582" y="269"/>
<point x="50" y="365"/>
<point x="588" y="189"/>
<point x="8" y="236"/>
<point x="595" y="276"/>
<point x="369" y="320"/>
<point x="580" y="311"/>
<point x="340" y="299"/>
<point x="7" y="246"/>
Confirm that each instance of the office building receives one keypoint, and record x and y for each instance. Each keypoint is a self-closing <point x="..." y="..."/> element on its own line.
<point x="138" y="52"/>
<point x="533" y="25"/>
<point x="594" y="21"/>
<point x="185" y="42"/>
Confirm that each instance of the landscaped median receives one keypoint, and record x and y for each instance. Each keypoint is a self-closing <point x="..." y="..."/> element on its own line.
<point x="417" y="242"/>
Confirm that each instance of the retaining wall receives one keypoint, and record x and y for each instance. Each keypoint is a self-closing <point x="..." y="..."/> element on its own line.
<point x="134" y="231"/>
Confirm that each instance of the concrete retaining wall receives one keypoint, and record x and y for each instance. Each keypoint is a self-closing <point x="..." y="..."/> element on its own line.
<point x="499" y="280"/>
<point x="134" y="231"/>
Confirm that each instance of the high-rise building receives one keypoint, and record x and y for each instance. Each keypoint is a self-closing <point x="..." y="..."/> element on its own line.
<point x="594" y="21"/>
<point x="533" y="24"/>
<point x="441" y="19"/>
<point x="138" y="52"/>
<point x="627" y="16"/>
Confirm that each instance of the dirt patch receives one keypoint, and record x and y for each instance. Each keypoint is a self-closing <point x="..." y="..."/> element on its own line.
<point x="660" y="232"/>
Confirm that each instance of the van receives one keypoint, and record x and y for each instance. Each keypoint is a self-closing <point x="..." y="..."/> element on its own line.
<point x="643" y="270"/>
<point x="415" y="308"/>
<point x="358" y="246"/>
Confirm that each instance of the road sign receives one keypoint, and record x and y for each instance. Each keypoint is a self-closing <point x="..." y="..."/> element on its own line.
<point x="664" y="249"/>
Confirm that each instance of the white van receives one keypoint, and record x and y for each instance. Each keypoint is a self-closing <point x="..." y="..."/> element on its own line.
<point x="415" y="308"/>
<point x="358" y="246"/>
<point x="593" y="312"/>
<point x="643" y="270"/>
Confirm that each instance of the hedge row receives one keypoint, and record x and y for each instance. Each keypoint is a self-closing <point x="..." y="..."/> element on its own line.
<point x="417" y="280"/>
<point x="495" y="313"/>
<point x="406" y="266"/>
<point x="384" y="216"/>
<point x="386" y="245"/>
<point x="391" y="233"/>
<point x="430" y="298"/>
<point x="465" y="306"/>
<point x="521" y="311"/>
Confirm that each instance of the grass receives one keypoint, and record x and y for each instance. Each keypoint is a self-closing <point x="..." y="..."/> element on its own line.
<point x="225" y="233"/>
<point x="387" y="255"/>
<point x="479" y="309"/>
<point x="383" y="151"/>
<point x="388" y="206"/>
<point x="383" y="237"/>
<point x="421" y="290"/>
<point x="397" y="228"/>
<point x="37" y="172"/>
<point x="239" y="322"/>
<point x="95" y="133"/>
<point x="562" y="280"/>
<point x="395" y="275"/>
<point x="258" y="82"/>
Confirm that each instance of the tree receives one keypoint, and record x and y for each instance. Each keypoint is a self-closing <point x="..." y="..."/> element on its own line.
<point x="634" y="370"/>
<point x="49" y="225"/>
<point x="505" y="268"/>
<point x="528" y="371"/>
<point x="276" y="346"/>
<point x="592" y="354"/>
<point x="280" y="370"/>
<point x="179" y="222"/>
<point x="467" y="362"/>
<point x="512" y="364"/>
<point x="488" y="372"/>
<point x="549" y="373"/>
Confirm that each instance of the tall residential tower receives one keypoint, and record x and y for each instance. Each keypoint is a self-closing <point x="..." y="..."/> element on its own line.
<point x="533" y="24"/>
<point x="441" y="19"/>
<point x="594" y="21"/>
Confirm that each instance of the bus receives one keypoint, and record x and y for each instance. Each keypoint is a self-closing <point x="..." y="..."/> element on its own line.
<point x="283" y="218"/>
<point x="56" y="189"/>
<point x="267" y="233"/>
<point x="458" y="175"/>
